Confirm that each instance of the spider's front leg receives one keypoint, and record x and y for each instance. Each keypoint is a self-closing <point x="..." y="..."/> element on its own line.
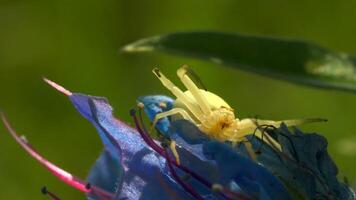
<point x="248" y="126"/>
<point x="173" y="111"/>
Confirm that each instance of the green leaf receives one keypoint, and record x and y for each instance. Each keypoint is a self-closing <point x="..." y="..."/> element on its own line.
<point x="292" y="60"/>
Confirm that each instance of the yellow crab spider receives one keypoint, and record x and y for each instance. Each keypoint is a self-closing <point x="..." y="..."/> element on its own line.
<point x="212" y="114"/>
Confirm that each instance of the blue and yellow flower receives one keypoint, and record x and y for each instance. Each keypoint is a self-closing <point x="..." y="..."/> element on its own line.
<point x="187" y="161"/>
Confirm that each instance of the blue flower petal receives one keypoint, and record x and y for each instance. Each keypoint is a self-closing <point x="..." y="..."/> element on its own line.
<point x="106" y="173"/>
<point x="146" y="175"/>
<point x="245" y="172"/>
<point x="253" y="188"/>
<point x="188" y="136"/>
<point x="188" y="131"/>
<point x="304" y="164"/>
<point x="152" y="107"/>
<point x="314" y="171"/>
<point x="80" y="102"/>
<point x="83" y="104"/>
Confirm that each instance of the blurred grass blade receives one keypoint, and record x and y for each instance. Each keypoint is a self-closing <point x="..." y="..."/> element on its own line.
<point x="291" y="60"/>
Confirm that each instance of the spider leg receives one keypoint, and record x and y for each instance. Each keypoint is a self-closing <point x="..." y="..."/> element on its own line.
<point x="178" y="93"/>
<point x="248" y="126"/>
<point x="248" y="145"/>
<point x="171" y="112"/>
<point x="194" y="90"/>
<point x="292" y="122"/>
<point x="250" y="150"/>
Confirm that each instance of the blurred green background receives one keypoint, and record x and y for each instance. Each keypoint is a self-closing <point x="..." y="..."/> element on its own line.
<point x="75" y="43"/>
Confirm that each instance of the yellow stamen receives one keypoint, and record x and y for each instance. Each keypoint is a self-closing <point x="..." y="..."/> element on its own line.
<point x="172" y="145"/>
<point x="250" y="150"/>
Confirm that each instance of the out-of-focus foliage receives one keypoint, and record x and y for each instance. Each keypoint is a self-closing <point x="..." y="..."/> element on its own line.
<point x="76" y="43"/>
<point x="287" y="59"/>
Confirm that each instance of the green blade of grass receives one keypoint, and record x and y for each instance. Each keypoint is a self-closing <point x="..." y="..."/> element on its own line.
<point x="292" y="60"/>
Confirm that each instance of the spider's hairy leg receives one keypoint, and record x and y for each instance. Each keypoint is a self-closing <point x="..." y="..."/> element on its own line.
<point x="277" y="124"/>
<point x="189" y="103"/>
<point x="248" y="146"/>
<point x="194" y="90"/>
<point x="249" y="126"/>
<point x="250" y="150"/>
<point x="291" y="122"/>
<point x="171" y="112"/>
<point x="246" y="126"/>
